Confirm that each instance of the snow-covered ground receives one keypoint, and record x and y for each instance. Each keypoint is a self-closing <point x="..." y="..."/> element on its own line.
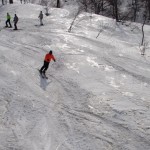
<point x="97" y="96"/>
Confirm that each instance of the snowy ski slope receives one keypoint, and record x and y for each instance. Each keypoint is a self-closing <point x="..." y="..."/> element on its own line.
<point x="97" y="96"/>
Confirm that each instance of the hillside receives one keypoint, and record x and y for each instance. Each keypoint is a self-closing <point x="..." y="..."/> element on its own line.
<point x="97" y="94"/>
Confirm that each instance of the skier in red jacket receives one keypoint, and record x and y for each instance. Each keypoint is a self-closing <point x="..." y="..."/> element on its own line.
<point x="48" y="57"/>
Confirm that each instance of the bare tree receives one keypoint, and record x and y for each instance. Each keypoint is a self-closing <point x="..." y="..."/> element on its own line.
<point x="112" y="8"/>
<point x="10" y="1"/>
<point x="143" y="34"/>
<point x="116" y="9"/>
<point x="143" y="45"/>
<point x="75" y="17"/>
<point x="52" y="3"/>
<point x="148" y="2"/>
<point x="135" y="4"/>
<point x="2" y="2"/>
<point x="46" y="3"/>
<point x="84" y="3"/>
<point x="58" y="3"/>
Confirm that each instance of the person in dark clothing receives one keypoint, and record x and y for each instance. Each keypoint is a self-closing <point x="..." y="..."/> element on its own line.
<point x="41" y="18"/>
<point x="8" y="21"/>
<point x="15" y="22"/>
<point x="48" y="57"/>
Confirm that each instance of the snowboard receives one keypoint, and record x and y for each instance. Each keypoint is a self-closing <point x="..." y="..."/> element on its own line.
<point x="38" y="25"/>
<point x="43" y="75"/>
<point x="11" y="29"/>
<point x="17" y="29"/>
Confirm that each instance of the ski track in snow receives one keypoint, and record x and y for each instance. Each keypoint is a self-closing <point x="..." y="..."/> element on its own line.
<point x="97" y="94"/>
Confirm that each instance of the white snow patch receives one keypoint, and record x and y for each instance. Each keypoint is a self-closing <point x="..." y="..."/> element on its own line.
<point x="92" y="61"/>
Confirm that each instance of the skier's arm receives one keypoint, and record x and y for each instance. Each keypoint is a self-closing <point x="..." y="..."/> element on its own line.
<point x="53" y="58"/>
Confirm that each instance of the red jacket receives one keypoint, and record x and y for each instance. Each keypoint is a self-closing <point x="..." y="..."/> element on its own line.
<point x="49" y="57"/>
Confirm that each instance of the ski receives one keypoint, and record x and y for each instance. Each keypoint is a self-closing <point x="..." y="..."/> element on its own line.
<point x="39" y="25"/>
<point x="43" y="75"/>
<point x="16" y="30"/>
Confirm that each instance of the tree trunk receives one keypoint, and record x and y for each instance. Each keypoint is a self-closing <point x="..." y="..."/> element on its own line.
<point x="58" y="3"/>
<point x="143" y="35"/>
<point x="97" y="8"/>
<point x="149" y="9"/>
<point x="102" y="6"/>
<point x="10" y="1"/>
<point x="135" y="6"/>
<point x="85" y="4"/>
<point x="116" y="9"/>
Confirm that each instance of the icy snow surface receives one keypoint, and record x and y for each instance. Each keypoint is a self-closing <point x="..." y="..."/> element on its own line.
<point x="97" y="96"/>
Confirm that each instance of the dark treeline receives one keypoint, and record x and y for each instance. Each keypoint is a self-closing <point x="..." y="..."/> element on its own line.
<point x="5" y="2"/>
<point x="133" y="10"/>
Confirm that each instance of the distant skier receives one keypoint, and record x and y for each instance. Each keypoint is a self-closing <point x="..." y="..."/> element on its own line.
<point x="15" y="22"/>
<point x="8" y="21"/>
<point x="41" y="18"/>
<point x="48" y="57"/>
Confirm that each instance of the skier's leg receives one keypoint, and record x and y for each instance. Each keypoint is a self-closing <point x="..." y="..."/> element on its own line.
<point x="6" y="23"/>
<point x="9" y="23"/>
<point x="43" y="67"/>
<point x="41" y="70"/>
<point x="41" y="22"/>
<point x="46" y="67"/>
<point x="15" y="25"/>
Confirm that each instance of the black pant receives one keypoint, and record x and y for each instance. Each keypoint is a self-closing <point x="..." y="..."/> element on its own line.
<point x="15" y="25"/>
<point x="8" y="21"/>
<point x="44" y="67"/>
